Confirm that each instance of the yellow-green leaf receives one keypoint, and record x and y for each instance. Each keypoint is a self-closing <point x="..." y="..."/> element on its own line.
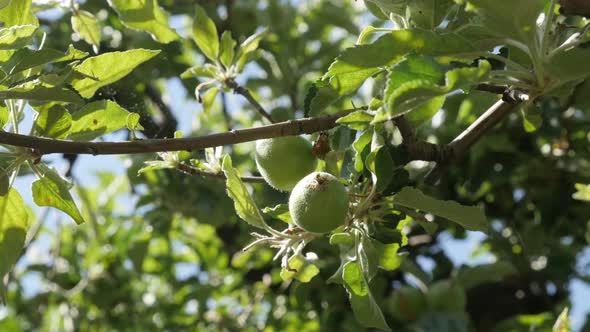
<point x="53" y="190"/>
<point x="244" y="204"/>
<point x="86" y="25"/>
<point x="205" y="34"/>
<point x="14" y="224"/>
<point x="107" y="68"/>
<point x="145" y="15"/>
<point x="96" y="119"/>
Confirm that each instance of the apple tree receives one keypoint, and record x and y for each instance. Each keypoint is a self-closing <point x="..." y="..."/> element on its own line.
<point x="332" y="150"/>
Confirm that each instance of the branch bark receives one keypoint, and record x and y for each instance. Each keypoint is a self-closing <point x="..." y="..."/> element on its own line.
<point x="289" y="128"/>
<point x="416" y="149"/>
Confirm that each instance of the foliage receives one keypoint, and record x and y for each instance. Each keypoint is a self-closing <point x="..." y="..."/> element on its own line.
<point x="198" y="245"/>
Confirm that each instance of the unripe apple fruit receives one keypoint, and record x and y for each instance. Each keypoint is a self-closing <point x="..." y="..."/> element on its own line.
<point x="407" y="304"/>
<point x="283" y="161"/>
<point x="318" y="203"/>
<point x="446" y="296"/>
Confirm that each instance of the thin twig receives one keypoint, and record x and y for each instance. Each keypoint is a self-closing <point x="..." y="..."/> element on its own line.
<point x="288" y="128"/>
<point x="190" y="170"/>
<point x="226" y="116"/>
<point x="230" y="83"/>
<point x="168" y="126"/>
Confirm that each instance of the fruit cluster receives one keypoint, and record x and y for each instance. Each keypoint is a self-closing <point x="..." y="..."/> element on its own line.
<point x="319" y="201"/>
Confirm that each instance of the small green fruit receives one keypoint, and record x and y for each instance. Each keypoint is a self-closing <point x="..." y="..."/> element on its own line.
<point x="318" y="203"/>
<point x="446" y="296"/>
<point x="283" y="161"/>
<point x="407" y="304"/>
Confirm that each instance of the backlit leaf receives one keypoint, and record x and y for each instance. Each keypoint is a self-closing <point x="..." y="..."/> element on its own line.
<point x="14" y="224"/>
<point x="205" y="34"/>
<point x="53" y="190"/>
<point x="107" y="68"/>
<point x="96" y="119"/>
<point x="244" y="204"/>
<point x="86" y="25"/>
<point x="145" y="15"/>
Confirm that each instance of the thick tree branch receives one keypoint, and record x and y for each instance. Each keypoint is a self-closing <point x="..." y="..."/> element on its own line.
<point x="419" y="150"/>
<point x="246" y="93"/>
<point x="289" y="128"/>
<point x="187" y="169"/>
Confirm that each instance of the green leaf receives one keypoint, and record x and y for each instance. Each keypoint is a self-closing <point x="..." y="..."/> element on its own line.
<point x="429" y="14"/>
<point x="367" y="256"/>
<point x="341" y="238"/>
<point x="348" y="72"/>
<point x="132" y="122"/>
<point x="319" y="96"/>
<point x="209" y="98"/>
<point x="361" y="148"/>
<point x="397" y="7"/>
<point x="14" y="224"/>
<point x="207" y="70"/>
<point x="358" y="120"/>
<point x="519" y="25"/>
<point x="380" y="164"/>
<point x="367" y="311"/>
<point x="4" y="3"/>
<point x="416" y="80"/>
<point x="299" y="268"/>
<point x="18" y="13"/>
<point x="73" y="54"/>
<point x="347" y="254"/>
<point x="388" y="258"/>
<point x="226" y="53"/>
<point x="137" y="251"/>
<point x="473" y="105"/>
<point x="569" y="66"/>
<point x="562" y="324"/>
<point x="41" y="93"/>
<point x="248" y="46"/>
<point x="54" y="122"/>
<point x="205" y="34"/>
<point x="354" y="280"/>
<point x="469" y="277"/>
<point x="376" y="10"/>
<point x="3" y="115"/>
<point x="531" y="117"/>
<point x="97" y="119"/>
<point x="426" y="111"/>
<point x="145" y="15"/>
<point x="470" y="217"/>
<point x="442" y="322"/>
<point x="107" y="68"/>
<point x="86" y="25"/>
<point x="280" y="211"/>
<point x="26" y="58"/>
<point x="244" y="204"/>
<point x="583" y="192"/>
<point x="16" y="36"/>
<point x="53" y="190"/>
